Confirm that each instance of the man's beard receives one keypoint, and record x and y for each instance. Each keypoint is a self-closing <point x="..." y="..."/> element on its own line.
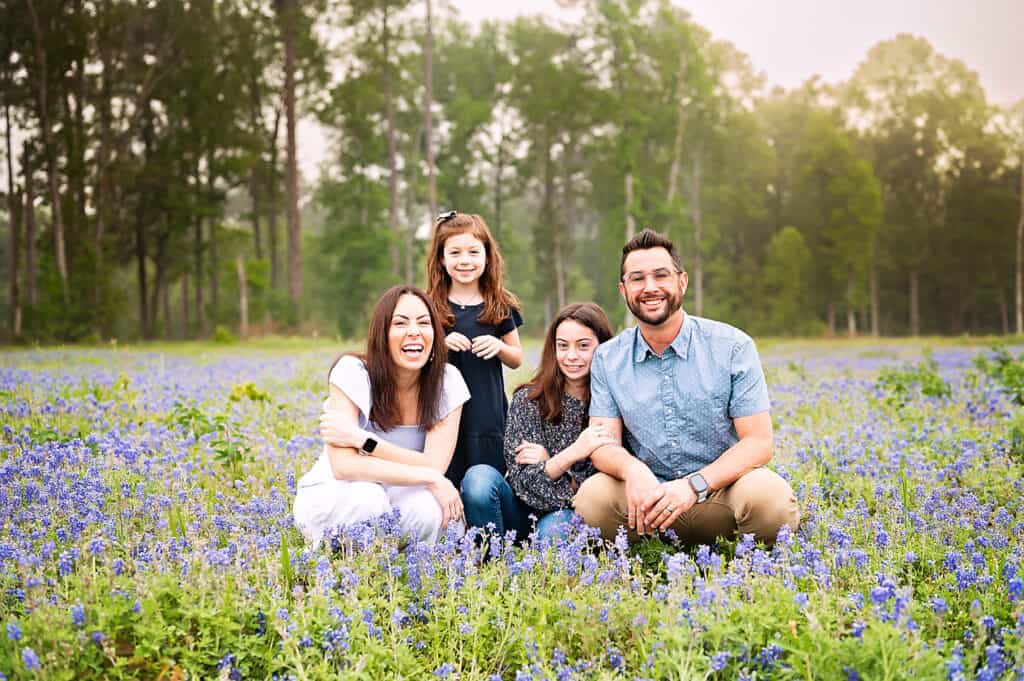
<point x="673" y="301"/>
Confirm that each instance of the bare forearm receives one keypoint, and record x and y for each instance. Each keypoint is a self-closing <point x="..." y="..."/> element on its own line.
<point x="510" y="355"/>
<point x="346" y="464"/>
<point x="559" y="464"/>
<point x="741" y="458"/>
<point x="614" y="460"/>
<point x="392" y="453"/>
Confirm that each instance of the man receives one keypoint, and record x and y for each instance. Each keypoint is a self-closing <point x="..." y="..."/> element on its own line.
<point x="693" y="399"/>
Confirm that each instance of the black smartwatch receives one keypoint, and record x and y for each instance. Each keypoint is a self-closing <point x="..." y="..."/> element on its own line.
<point x="699" y="486"/>
<point x="368" y="446"/>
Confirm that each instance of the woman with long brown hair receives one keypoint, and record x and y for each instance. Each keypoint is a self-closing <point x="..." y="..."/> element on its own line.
<point x="389" y="427"/>
<point x="546" y="445"/>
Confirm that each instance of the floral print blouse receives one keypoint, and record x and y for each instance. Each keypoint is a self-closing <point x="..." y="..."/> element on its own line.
<point x="529" y="481"/>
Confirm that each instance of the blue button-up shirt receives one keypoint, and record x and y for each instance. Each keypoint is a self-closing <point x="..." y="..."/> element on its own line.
<point x="677" y="408"/>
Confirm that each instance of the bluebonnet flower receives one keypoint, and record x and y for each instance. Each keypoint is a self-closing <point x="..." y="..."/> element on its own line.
<point x="13" y="631"/>
<point x="444" y="670"/>
<point x="719" y="661"/>
<point x="78" y="615"/>
<point x="29" y="658"/>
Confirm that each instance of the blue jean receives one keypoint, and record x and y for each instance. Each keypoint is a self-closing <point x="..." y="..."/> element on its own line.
<point x="488" y="498"/>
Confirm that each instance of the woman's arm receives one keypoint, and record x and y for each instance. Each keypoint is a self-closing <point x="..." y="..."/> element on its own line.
<point x="348" y="464"/>
<point x="530" y="482"/>
<point x="342" y="430"/>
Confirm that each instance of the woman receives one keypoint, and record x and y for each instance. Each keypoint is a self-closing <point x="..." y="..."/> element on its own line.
<point x="547" y="448"/>
<point x="389" y="428"/>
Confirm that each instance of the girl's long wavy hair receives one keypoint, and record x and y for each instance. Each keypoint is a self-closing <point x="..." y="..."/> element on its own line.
<point x="547" y="386"/>
<point x="498" y="301"/>
<point x="384" y="411"/>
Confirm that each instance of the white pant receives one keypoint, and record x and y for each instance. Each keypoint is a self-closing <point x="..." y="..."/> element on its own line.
<point x="333" y="503"/>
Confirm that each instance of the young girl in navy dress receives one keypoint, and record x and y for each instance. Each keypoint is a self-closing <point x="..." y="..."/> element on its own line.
<point x="481" y="318"/>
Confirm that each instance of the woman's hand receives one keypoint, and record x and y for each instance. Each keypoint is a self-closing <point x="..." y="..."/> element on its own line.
<point x="337" y="430"/>
<point x="448" y="498"/>
<point x="528" y="453"/>
<point x="456" y="342"/>
<point x="486" y="347"/>
<point x="593" y="437"/>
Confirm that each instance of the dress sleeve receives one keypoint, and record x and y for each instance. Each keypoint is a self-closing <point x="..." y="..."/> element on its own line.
<point x="530" y="482"/>
<point x="349" y="376"/>
<point x="510" y="323"/>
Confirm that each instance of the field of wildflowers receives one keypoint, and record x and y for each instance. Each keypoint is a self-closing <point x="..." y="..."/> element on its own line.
<point x="145" y="532"/>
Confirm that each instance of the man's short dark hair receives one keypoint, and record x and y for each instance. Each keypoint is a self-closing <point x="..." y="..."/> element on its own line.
<point x="648" y="238"/>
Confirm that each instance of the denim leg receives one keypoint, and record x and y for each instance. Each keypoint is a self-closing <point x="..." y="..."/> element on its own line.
<point x="487" y="498"/>
<point x="555" y="524"/>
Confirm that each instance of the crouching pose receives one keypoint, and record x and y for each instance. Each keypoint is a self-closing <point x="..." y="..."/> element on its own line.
<point x="389" y="428"/>
<point x="547" y="447"/>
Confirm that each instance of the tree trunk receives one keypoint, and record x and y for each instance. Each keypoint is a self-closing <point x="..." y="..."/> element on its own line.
<point x="14" y="203"/>
<point x="1018" y="304"/>
<point x="389" y="108"/>
<point x="255" y="190"/>
<point x="31" y="256"/>
<point x="696" y="217"/>
<point x="915" y="311"/>
<point x="140" y="271"/>
<point x="243" y="297"/>
<point x="677" y="146"/>
<point x="428" y="115"/>
<point x="57" y="215"/>
<point x="627" y="320"/>
<point x="851" y="313"/>
<point x="165" y="298"/>
<point x="873" y="290"/>
<point x="292" y="162"/>
<point x="184" y="305"/>
<point x="831" y="316"/>
<point x="197" y="256"/>
<point x="272" y="209"/>
<point x="212" y="261"/>
<point x="498" y="186"/>
<point x="1004" y="312"/>
<point x="104" y="199"/>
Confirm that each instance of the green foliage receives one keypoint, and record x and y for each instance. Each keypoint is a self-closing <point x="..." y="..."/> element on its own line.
<point x="223" y="335"/>
<point x="1006" y="370"/>
<point x="901" y="384"/>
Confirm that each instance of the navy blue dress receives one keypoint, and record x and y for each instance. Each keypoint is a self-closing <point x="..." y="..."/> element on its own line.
<point x="482" y="426"/>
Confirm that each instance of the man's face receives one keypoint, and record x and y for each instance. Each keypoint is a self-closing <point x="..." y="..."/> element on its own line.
<point x="651" y="286"/>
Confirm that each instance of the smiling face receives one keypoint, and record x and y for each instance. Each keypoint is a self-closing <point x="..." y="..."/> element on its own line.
<point x="652" y="288"/>
<point x="464" y="258"/>
<point x="411" y="334"/>
<point x="574" y="350"/>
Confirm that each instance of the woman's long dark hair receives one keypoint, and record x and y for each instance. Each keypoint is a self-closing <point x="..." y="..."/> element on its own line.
<point x="547" y="386"/>
<point x="384" y="410"/>
<point x="498" y="301"/>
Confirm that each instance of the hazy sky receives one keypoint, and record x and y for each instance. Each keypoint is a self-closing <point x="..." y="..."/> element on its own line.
<point x="791" y="40"/>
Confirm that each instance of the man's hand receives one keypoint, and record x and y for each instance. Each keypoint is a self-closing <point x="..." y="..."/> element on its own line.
<point x="675" y="498"/>
<point x="641" y="486"/>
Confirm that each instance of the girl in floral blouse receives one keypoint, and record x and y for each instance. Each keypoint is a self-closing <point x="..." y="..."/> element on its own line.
<point x="546" y="446"/>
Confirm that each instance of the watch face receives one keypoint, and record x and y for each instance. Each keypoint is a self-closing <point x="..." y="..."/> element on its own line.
<point x="369" y="445"/>
<point x="698" y="483"/>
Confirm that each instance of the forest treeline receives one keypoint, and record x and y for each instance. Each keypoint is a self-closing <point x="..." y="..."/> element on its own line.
<point x="152" y="186"/>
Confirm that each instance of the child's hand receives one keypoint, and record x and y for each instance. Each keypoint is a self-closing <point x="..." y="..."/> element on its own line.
<point x="529" y="452"/>
<point x="456" y="342"/>
<point x="486" y="347"/>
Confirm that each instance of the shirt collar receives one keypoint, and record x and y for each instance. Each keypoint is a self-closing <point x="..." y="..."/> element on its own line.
<point x="680" y="345"/>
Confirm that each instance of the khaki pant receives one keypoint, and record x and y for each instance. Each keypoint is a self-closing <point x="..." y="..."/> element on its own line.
<point x="759" y="503"/>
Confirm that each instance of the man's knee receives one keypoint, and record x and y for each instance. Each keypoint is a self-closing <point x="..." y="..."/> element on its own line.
<point x="763" y="502"/>
<point x="600" y="501"/>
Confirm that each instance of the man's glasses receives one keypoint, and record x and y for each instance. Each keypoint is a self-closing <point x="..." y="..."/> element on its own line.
<point x="662" y="276"/>
<point x="446" y="216"/>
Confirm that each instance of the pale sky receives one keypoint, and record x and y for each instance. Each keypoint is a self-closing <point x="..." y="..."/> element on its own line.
<point x="791" y="40"/>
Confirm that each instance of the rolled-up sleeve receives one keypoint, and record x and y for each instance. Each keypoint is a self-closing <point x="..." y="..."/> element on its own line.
<point x="749" y="393"/>
<point x="602" y="402"/>
<point x="529" y="482"/>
